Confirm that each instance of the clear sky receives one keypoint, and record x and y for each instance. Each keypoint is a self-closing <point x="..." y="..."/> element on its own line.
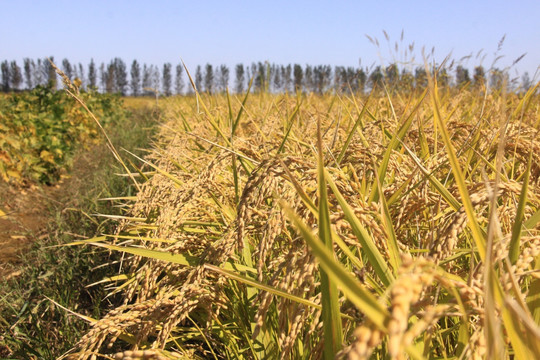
<point x="304" y="32"/>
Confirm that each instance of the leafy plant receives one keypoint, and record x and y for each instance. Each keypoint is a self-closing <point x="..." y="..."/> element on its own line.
<point x="40" y="129"/>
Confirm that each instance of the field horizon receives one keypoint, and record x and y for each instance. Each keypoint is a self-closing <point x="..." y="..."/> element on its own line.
<point x="399" y="223"/>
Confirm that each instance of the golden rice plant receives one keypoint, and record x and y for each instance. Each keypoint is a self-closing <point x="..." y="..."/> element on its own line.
<point x="394" y="225"/>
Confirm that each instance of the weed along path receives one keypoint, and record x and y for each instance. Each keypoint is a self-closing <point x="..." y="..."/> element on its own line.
<point x="41" y="131"/>
<point x="29" y="213"/>
<point x="23" y="218"/>
<point x="62" y="147"/>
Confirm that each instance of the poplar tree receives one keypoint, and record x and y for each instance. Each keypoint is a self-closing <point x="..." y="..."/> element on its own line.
<point x="526" y="82"/>
<point x="286" y="73"/>
<point x="135" y="78"/>
<point x="39" y="73"/>
<point x="339" y="78"/>
<point x="361" y="79"/>
<point x="103" y="77"/>
<point x="209" y="79"/>
<point x="257" y="72"/>
<point x="298" y="77"/>
<point x="146" y="80"/>
<point x="167" y="79"/>
<point x="420" y="78"/>
<point x="156" y="77"/>
<point x="28" y="72"/>
<point x="179" y="82"/>
<point x="92" y="75"/>
<point x="50" y="73"/>
<point x="308" y="82"/>
<point x="223" y="79"/>
<point x="5" y="76"/>
<point x="392" y="76"/>
<point x="239" y="78"/>
<point x="375" y="77"/>
<point x="80" y="75"/>
<point x="479" y="76"/>
<point x="263" y="73"/>
<point x="253" y="74"/>
<point x="198" y="78"/>
<point x="120" y="76"/>
<point x="322" y="77"/>
<point x="67" y="68"/>
<point x="442" y="77"/>
<point x="15" y="76"/>
<point x="407" y="80"/>
<point x="462" y="76"/>
<point x="110" y="84"/>
<point x="278" y="83"/>
<point x="498" y="79"/>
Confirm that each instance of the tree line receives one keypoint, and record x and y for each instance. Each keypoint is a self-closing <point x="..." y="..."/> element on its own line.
<point x="168" y="79"/>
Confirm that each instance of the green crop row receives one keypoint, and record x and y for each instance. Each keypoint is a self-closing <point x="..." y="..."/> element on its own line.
<point x="40" y="129"/>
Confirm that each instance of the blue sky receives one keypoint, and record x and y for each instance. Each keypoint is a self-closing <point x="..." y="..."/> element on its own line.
<point x="304" y="32"/>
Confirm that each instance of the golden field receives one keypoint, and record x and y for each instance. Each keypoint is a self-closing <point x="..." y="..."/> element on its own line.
<point x="395" y="225"/>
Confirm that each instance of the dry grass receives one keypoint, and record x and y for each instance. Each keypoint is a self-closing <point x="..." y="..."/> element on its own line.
<point x="214" y="267"/>
<point x="139" y="102"/>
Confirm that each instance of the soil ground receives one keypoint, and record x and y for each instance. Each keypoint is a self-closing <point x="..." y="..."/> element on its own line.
<point x="27" y="211"/>
<point x="24" y="219"/>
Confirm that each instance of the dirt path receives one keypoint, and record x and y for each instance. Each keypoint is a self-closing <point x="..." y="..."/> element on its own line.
<point x="25" y="213"/>
<point x="28" y="211"/>
<point x="23" y="219"/>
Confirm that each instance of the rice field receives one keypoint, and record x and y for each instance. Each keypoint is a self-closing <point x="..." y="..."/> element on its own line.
<point x="391" y="225"/>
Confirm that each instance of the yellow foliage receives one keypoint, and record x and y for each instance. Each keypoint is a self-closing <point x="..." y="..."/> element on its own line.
<point x="47" y="156"/>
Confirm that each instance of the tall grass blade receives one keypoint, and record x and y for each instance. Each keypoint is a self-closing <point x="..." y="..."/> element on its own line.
<point x="447" y="196"/>
<point x="333" y="338"/>
<point x="532" y="221"/>
<point x="233" y="157"/>
<point x="350" y="287"/>
<point x="477" y="234"/>
<point x="529" y="327"/>
<point x="513" y="252"/>
<point x="242" y="108"/>
<point x="290" y="122"/>
<point x="513" y="327"/>
<point x="315" y="211"/>
<point x="393" y="248"/>
<point x="353" y="130"/>
<point x="229" y="269"/>
<point x="174" y="179"/>
<point x="369" y="247"/>
<point x="525" y="101"/>
<point x="209" y="115"/>
<point x="533" y="300"/>
<point x="394" y="142"/>
<point x="180" y="259"/>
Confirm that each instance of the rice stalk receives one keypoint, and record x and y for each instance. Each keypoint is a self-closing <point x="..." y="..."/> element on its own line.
<point x="239" y="250"/>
